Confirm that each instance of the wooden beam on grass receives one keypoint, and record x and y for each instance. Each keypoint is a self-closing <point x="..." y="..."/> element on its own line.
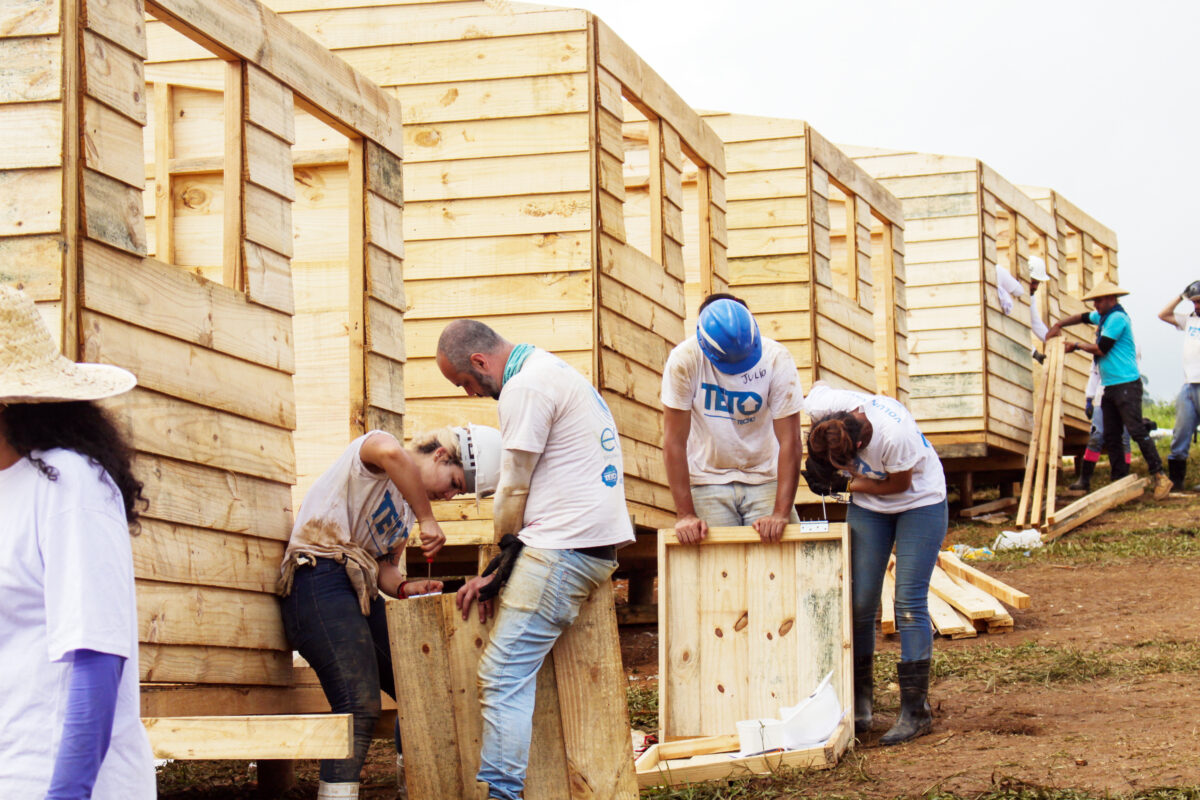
<point x="998" y="589"/>
<point x="987" y="508"/>
<point x="255" y="737"/>
<point x="1093" y="505"/>
<point x="941" y="585"/>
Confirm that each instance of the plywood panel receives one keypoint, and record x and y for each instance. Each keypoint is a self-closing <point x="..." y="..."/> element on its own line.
<point x="715" y="611"/>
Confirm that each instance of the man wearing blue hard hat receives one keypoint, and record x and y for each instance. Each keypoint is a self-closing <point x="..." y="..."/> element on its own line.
<point x="731" y="425"/>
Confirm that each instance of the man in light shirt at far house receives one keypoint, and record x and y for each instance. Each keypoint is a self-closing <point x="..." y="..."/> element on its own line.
<point x="731" y="425"/>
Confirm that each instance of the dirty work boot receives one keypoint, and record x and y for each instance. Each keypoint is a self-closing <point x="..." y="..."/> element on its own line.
<point x="916" y="717"/>
<point x="864" y="692"/>
<point x="1162" y="485"/>
<point x="1083" y="484"/>
<point x="1177" y="471"/>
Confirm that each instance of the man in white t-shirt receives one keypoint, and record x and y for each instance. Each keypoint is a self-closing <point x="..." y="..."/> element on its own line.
<point x="560" y="503"/>
<point x="1187" y="406"/>
<point x="731" y="425"/>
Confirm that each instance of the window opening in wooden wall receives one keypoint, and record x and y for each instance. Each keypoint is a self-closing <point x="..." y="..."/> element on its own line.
<point x="641" y="183"/>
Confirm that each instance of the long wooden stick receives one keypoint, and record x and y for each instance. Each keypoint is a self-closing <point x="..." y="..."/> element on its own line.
<point x="1043" y="442"/>
<point x="1055" y="433"/>
<point x="1031" y="456"/>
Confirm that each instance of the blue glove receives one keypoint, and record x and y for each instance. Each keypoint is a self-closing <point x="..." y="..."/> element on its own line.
<point x="87" y="728"/>
<point x="1089" y="407"/>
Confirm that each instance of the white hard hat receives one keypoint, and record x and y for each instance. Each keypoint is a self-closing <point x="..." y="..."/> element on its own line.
<point x="1037" y="269"/>
<point x="480" y="449"/>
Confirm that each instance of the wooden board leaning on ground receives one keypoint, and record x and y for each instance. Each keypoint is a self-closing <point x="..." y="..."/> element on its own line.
<point x="746" y="627"/>
<point x="581" y="731"/>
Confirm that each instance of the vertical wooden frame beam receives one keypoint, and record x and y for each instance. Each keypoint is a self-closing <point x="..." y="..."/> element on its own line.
<point x="164" y="151"/>
<point x="655" y="147"/>
<point x="851" y="203"/>
<point x="234" y="182"/>
<point x="356" y="322"/>
<point x="704" y="200"/>
<point x="885" y="296"/>
<point x="72" y="172"/>
<point x="815" y="357"/>
<point x="598" y="179"/>
<point x="981" y="189"/>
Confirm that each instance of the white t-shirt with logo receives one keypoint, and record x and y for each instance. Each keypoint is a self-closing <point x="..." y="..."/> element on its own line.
<point x="896" y="445"/>
<point x="66" y="584"/>
<point x="732" y="432"/>
<point x="577" y="490"/>
<point x="365" y="507"/>
<point x="1190" y="325"/>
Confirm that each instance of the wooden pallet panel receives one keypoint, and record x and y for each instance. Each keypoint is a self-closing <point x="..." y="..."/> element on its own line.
<point x="713" y="611"/>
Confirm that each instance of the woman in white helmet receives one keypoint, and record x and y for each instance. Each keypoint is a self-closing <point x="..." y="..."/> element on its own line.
<point x="348" y="545"/>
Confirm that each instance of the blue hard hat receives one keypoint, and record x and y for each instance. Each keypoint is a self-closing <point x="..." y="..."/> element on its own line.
<point x="729" y="337"/>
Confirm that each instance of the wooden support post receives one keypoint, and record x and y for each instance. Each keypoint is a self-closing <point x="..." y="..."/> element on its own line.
<point x="164" y="151"/>
<point x="1055" y="454"/>
<point x="72" y="175"/>
<point x="234" y="181"/>
<point x="356" y="271"/>
<point x="275" y="776"/>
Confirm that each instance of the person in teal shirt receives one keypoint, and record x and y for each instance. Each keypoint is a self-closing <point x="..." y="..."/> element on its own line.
<point x="1116" y="359"/>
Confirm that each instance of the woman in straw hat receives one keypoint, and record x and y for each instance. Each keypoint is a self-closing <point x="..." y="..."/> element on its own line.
<point x="69" y="714"/>
<point x="1116" y="359"/>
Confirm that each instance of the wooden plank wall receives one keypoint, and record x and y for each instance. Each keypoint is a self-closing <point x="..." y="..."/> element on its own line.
<point x="513" y="216"/>
<point x="788" y="193"/>
<point x="31" y="176"/>
<point x="212" y="418"/>
<point x="971" y="374"/>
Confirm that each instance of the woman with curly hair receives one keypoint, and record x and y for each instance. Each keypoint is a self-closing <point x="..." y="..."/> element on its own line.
<point x="69" y="712"/>
<point x="897" y="498"/>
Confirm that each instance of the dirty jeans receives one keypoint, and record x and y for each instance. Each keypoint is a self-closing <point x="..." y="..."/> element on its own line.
<point x="349" y="652"/>
<point x="1122" y="407"/>
<point x="541" y="600"/>
<point x="917" y="535"/>
<point x="1187" y="417"/>
<point x="724" y="505"/>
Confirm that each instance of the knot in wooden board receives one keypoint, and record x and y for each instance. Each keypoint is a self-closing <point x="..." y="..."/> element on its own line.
<point x="742" y="621"/>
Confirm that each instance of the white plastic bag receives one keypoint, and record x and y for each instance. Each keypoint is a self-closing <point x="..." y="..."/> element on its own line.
<point x="1017" y="540"/>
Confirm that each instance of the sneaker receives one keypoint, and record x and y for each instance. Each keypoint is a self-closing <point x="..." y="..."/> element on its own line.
<point x="1162" y="486"/>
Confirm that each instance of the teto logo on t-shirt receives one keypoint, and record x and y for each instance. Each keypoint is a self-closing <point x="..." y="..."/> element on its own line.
<point x="609" y="476"/>
<point x="728" y="404"/>
<point x="386" y="523"/>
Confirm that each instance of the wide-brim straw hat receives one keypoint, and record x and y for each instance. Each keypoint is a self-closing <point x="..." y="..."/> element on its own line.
<point x="32" y="370"/>
<point x="1105" y="289"/>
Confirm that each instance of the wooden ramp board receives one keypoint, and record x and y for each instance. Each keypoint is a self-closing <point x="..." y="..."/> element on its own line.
<point x="581" y="733"/>
<point x="696" y="761"/>
<point x="283" y="736"/>
<point x="746" y="627"/>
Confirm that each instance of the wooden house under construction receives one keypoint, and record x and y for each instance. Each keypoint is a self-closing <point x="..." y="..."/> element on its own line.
<point x="514" y="212"/>
<point x="214" y="415"/>
<point x="971" y="365"/>
<point x="816" y="248"/>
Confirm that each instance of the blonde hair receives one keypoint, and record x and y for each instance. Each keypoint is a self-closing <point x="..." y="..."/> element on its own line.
<point x="430" y="441"/>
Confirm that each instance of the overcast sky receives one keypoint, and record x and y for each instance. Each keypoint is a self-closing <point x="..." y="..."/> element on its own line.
<point x="1097" y="100"/>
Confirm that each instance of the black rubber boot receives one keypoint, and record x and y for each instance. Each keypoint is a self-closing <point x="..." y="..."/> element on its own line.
<point x="1083" y="484"/>
<point x="916" y="717"/>
<point x="1177" y="472"/>
<point x="864" y="692"/>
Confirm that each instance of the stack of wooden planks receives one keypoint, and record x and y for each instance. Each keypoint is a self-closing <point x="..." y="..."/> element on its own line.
<point x="1045" y="445"/>
<point x="1093" y="505"/>
<point x="963" y="601"/>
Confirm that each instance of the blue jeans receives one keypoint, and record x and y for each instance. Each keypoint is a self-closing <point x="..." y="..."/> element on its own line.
<point x="349" y="652"/>
<point x="1187" y="417"/>
<point x="724" y="505"/>
<point x="917" y="535"/>
<point x="541" y="600"/>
